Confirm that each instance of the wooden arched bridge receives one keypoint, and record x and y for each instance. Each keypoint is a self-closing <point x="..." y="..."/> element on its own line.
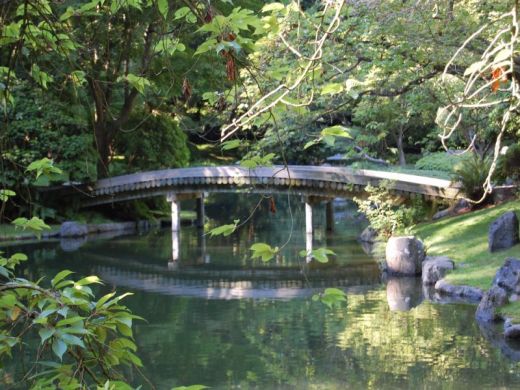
<point x="319" y="181"/>
<point x="313" y="183"/>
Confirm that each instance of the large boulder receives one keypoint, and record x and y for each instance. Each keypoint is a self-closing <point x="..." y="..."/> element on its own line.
<point x="505" y="288"/>
<point x="467" y="293"/>
<point x="369" y="234"/>
<point x="404" y="255"/>
<point x="503" y="232"/>
<point x="459" y="207"/>
<point x="493" y="298"/>
<point x="434" y="268"/>
<point x="508" y="276"/>
<point x="73" y="229"/>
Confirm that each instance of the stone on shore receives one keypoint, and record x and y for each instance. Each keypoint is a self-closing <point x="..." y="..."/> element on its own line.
<point x="508" y="276"/>
<point x="73" y="229"/>
<point x="369" y="234"/>
<point x="404" y="255"/>
<point x="461" y="206"/>
<point x="503" y="232"/>
<point x="493" y="298"/>
<point x="435" y="268"/>
<point x="469" y="293"/>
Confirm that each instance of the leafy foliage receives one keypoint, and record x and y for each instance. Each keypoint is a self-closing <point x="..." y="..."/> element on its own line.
<point x="439" y="161"/>
<point x="263" y="251"/>
<point x="472" y="173"/>
<point x="153" y="141"/>
<point x="46" y="126"/>
<point x="321" y="254"/>
<point x="331" y="297"/>
<point x="383" y="211"/>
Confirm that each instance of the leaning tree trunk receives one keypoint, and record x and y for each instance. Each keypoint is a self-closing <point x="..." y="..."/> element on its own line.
<point x="102" y="144"/>
<point x="400" y="147"/>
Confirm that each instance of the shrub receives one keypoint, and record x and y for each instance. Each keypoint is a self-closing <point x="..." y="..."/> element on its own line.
<point x="439" y="161"/>
<point x="153" y="141"/>
<point x="384" y="213"/>
<point x="471" y="173"/>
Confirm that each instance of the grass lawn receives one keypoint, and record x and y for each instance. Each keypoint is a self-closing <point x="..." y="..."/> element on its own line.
<point x="464" y="239"/>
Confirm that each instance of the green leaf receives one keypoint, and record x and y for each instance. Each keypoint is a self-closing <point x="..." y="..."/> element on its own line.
<point x="320" y="254"/>
<point x="59" y="347"/>
<point x="45" y="167"/>
<point x="41" y="77"/>
<point x="104" y="299"/>
<point x="46" y="333"/>
<point x="16" y="258"/>
<point x="310" y="143"/>
<point x="137" y="82"/>
<point x="232" y="144"/>
<point x="224" y="230"/>
<point x="60" y="276"/>
<point x="331" y="297"/>
<point x="162" y="5"/>
<point x="263" y="251"/>
<point x="273" y="7"/>
<point x="70" y="321"/>
<point x="208" y="45"/>
<point x="88" y="280"/>
<point x="336" y="131"/>
<point x="182" y="13"/>
<point x="35" y="224"/>
<point x="6" y="194"/>
<point x="72" y="340"/>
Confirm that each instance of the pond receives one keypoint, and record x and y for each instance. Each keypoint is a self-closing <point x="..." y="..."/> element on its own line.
<point x="218" y="318"/>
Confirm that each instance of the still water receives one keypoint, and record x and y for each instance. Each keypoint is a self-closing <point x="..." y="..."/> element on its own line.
<point x="218" y="318"/>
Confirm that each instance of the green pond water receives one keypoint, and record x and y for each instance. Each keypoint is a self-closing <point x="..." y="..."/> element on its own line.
<point x="218" y="318"/>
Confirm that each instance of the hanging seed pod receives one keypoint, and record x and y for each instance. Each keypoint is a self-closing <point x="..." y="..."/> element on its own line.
<point x="186" y="89"/>
<point x="230" y="67"/>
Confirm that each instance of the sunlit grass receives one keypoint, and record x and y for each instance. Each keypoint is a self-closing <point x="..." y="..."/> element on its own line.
<point x="464" y="239"/>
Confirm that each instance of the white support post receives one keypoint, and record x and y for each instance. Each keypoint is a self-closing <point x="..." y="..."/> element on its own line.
<point x="176" y="211"/>
<point x="308" y="229"/>
<point x="175" y="245"/>
<point x="308" y="247"/>
<point x="308" y="217"/>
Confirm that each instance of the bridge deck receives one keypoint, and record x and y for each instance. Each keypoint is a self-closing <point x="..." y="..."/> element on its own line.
<point x="305" y="180"/>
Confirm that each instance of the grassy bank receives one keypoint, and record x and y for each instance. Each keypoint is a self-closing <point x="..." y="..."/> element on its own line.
<point x="464" y="239"/>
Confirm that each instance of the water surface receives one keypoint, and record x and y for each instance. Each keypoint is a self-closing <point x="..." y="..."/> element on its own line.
<point x="218" y="318"/>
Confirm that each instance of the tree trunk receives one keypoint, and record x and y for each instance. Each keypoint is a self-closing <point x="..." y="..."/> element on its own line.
<point x="400" y="148"/>
<point x="102" y="144"/>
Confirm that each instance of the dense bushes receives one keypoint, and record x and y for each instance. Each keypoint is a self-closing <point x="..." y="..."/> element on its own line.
<point x="439" y="161"/>
<point x="151" y="141"/>
<point x="45" y="126"/>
